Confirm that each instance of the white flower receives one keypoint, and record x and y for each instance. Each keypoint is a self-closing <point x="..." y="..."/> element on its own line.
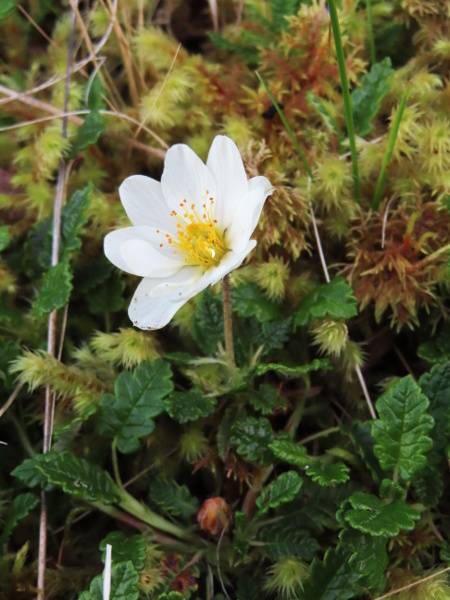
<point x="189" y="230"/>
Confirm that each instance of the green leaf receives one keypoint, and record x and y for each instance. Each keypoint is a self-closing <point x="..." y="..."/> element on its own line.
<point x="334" y="299"/>
<point x="77" y="477"/>
<point x="74" y="218"/>
<point x="316" y="104"/>
<point x="272" y="335"/>
<point x="362" y="438"/>
<point x="107" y="296"/>
<point x="6" y="7"/>
<point x="207" y="329"/>
<point x="249" y="301"/>
<point x="268" y="400"/>
<point x="285" y="540"/>
<point x="55" y="290"/>
<point x="171" y="596"/>
<point x="332" y="579"/>
<point x="284" y="489"/>
<point x="246" y="588"/>
<point x="124" y="584"/>
<point x="4" y="237"/>
<point x="252" y="437"/>
<point x="367" y="98"/>
<point x="128" y="415"/>
<point x="400" y="432"/>
<point x="290" y="372"/>
<point x="9" y="351"/>
<point x="95" y="93"/>
<point x="282" y="9"/>
<point x="189" y="406"/>
<point x="172" y="497"/>
<point x="376" y="517"/>
<point x="329" y="474"/>
<point x="437" y="349"/>
<point x="436" y="387"/>
<point x="20" y="508"/>
<point x="88" y="132"/>
<point x="368" y="558"/>
<point x="290" y="452"/>
<point x="125" y="548"/>
<point x="28" y="473"/>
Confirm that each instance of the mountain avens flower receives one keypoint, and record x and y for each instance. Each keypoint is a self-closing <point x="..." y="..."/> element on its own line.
<point x="189" y="230"/>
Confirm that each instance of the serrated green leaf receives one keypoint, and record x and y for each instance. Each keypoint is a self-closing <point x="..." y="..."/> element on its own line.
<point x="334" y="299"/>
<point x="96" y="91"/>
<point x="4" y="237"/>
<point x="125" y="548"/>
<point x="332" y="579"/>
<point x="316" y="104"/>
<point x="284" y="489"/>
<point x="77" y="477"/>
<point x="273" y="335"/>
<point x="289" y="372"/>
<point x="189" y="406"/>
<point x="124" y="584"/>
<point x="436" y="387"/>
<point x="55" y="290"/>
<point x="290" y="452"/>
<point x="128" y="415"/>
<point x="174" y="498"/>
<point x="107" y="296"/>
<point x="207" y="329"/>
<point x="267" y="400"/>
<point x="282" y="9"/>
<point x="376" y="517"/>
<point x="88" y="132"/>
<point x="249" y="301"/>
<point x="367" y="98"/>
<point x="284" y="539"/>
<point x="252" y="437"/>
<point x="328" y="474"/>
<point x="28" y="473"/>
<point x="246" y="588"/>
<point x="401" y="430"/>
<point x="368" y="558"/>
<point x="73" y="219"/>
<point x="362" y="437"/>
<point x="20" y="508"/>
<point x="437" y="350"/>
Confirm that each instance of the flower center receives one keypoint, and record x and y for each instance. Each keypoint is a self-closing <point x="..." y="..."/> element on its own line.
<point x="198" y="238"/>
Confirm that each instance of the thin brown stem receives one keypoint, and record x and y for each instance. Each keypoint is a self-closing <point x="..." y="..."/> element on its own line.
<point x="228" y="324"/>
<point x="10" y="400"/>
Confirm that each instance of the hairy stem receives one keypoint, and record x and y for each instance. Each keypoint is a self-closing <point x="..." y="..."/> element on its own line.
<point x="228" y="325"/>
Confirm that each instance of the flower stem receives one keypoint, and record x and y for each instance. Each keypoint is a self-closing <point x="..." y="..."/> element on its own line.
<point x="345" y="95"/>
<point x="228" y="324"/>
<point x="370" y="35"/>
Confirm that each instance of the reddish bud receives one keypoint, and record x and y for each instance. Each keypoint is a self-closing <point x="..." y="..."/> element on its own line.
<point x="214" y="516"/>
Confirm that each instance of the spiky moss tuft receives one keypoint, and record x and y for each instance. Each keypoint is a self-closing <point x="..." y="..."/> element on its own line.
<point x="285" y="577"/>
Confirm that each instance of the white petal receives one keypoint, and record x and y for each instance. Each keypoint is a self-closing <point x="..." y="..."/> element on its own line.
<point x="148" y="312"/>
<point x="245" y="219"/>
<point x="186" y="177"/>
<point x="231" y="261"/>
<point x="181" y="286"/>
<point x="225" y="163"/>
<point x="136" y="250"/>
<point x="144" y="203"/>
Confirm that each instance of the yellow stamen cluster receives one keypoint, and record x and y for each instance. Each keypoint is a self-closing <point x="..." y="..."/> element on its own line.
<point x="198" y="238"/>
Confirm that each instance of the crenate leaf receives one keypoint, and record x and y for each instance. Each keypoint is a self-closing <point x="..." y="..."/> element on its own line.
<point x="367" y="98"/>
<point x="334" y="299"/>
<point x="189" y="406"/>
<point x="290" y="452"/>
<point x="376" y="517"/>
<point x="124" y="584"/>
<point x="290" y="372"/>
<point x="400" y="432"/>
<point x="55" y="290"/>
<point x="436" y="387"/>
<point x="248" y="300"/>
<point x="286" y="540"/>
<point x="268" y="400"/>
<point x="332" y="579"/>
<point x="207" y="329"/>
<point x="78" y="477"/>
<point x="88" y="133"/>
<point x="174" y="498"/>
<point x="368" y="558"/>
<point x="28" y="473"/>
<point x="74" y="218"/>
<point x="128" y="415"/>
<point x="252" y="437"/>
<point x="20" y="508"/>
<point x="133" y="548"/>
<point x="328" y="474"/>
<point x="284" y="489"/>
